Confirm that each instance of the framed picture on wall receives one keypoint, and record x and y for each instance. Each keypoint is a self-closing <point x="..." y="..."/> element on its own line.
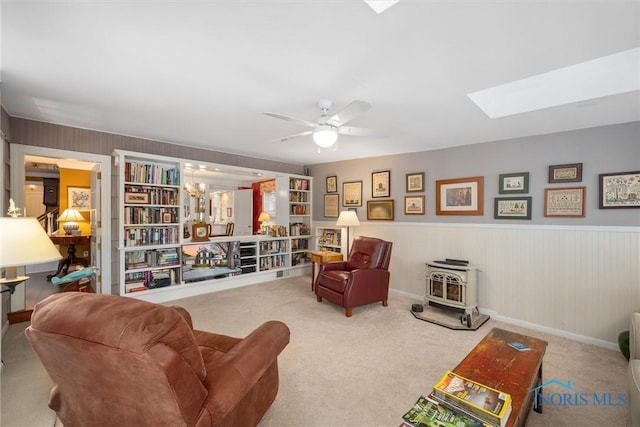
<point x="331" y="205"/>
<point x="415" y="182"/>
<point x="332" y="184"/>
<point x="513" y="183"/>
<point x="565" y="173"/>
<point x="79" y="198"/>
<point x="461" y="196"/>
<point x="381" y="184"/>
<point x="619" y="190"/>
<point x="414" y="205"/>
<point x="568" y="202"/>
<point x="512" y="208"/>
<point x="352" y="193"/>
<point x="380" y="210"/>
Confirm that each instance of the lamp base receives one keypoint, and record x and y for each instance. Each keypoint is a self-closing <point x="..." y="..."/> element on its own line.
<point x="70" y="227"/>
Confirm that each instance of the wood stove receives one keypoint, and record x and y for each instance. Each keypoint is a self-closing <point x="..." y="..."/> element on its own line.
<point x="452" y="286"/>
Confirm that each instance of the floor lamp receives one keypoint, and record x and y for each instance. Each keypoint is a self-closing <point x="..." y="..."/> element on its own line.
<point x="24" y="242"/>
<point x="348" y="219"/>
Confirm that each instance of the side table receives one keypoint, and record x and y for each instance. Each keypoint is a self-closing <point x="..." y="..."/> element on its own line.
<point x="321" y="257"/>
<point x="71" y="242"/>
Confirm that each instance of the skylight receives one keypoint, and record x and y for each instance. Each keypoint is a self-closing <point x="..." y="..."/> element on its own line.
<point x="608" y="75"/>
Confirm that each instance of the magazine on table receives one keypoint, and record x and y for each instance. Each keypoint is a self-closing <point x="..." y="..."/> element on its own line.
<point x="482" y="402"/>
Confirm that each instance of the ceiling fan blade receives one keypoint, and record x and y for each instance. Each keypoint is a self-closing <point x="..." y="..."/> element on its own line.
<point x="356" y="131"/>
<point x="292" y="119"/>
<point x="349" y="113"/>
<point x="286" y="138"/>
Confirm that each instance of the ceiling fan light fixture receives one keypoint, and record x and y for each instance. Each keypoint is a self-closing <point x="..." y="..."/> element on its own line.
<point x="325" y="135"/>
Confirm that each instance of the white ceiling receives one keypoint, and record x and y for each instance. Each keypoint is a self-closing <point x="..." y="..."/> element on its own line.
<point x="201" y="73"/>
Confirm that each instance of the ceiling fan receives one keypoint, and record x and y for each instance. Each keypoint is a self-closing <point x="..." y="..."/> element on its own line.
<point x="327" y="128"/>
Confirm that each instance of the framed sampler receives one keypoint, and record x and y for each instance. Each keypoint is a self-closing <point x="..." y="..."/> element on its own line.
<point x="352" y="193"/>
<point x="568" y="202"/>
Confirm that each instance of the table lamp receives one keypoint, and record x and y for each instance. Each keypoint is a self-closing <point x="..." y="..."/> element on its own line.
<point x="264" y="217"/>
<point x="348" y="219"/>
<point x="70" y="217"/>
<point x="24" y="242"/>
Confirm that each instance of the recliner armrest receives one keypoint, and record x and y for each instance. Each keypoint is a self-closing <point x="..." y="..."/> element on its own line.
<point x="366" y="275"/>
<point x="230" y="376"/>
<point x="333" y="265"/>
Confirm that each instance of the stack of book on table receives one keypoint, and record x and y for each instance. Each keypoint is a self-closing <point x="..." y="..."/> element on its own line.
<point x="456" y="402"/>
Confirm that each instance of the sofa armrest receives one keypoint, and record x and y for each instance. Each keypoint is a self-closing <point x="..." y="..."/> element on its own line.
<point x="231" y="375"/>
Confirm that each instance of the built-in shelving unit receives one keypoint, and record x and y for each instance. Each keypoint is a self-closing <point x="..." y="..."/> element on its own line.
<point x="149" y="223"/>
<point x="158" y="261"/>
<point x="300" y="220"/>
<point x="273" y="253"/>
<point x="331" y="239"/>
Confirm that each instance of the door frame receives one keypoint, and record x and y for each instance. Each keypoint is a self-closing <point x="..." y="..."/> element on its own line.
<point x="18" y="178"/>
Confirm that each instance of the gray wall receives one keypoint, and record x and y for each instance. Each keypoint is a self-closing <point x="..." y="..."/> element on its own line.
<point x="606" y="149"/>
<point x="29" y="132"/>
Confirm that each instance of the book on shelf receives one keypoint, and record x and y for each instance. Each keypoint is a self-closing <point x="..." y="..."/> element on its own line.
<point x="520" y="346"/>
<point x="484" y="403"/>
<point x="427" y="412"/>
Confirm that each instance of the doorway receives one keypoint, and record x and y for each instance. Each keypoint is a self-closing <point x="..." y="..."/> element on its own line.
<point x="98" y="216"/>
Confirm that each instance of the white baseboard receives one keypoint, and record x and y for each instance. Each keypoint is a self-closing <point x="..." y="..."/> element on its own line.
<point x="534" y="326"/>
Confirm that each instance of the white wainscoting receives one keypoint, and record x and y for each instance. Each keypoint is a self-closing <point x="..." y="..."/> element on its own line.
<point x="579" y="282"/>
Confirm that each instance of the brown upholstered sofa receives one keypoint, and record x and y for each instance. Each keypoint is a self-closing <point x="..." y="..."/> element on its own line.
<point x="117" y="361"/>
<point x="362" y="279"/>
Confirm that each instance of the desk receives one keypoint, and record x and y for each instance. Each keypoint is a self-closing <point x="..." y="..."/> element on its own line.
<point x="321" y="257"/>
<point x="71" y="241"/>
<point x="494" y="363"/>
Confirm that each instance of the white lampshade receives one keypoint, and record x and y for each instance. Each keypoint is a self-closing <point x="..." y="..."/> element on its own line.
<point x="348" y="219"/>
<point x="325" y="135"/>
<point x="24" y="242"/>
<point x="70" y="217"/>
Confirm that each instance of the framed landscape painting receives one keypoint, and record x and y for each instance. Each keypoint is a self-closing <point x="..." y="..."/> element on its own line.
<point x="380" y="210"/>
<point x="461" y="196"/>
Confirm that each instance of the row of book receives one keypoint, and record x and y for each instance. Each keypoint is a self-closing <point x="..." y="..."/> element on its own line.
<point x="151" y="195"/>
<point x="150" y="236"/>
<point x="299" y="229"/>
<point x="135" y="215"/>
<point x="150" y="174"/>
<point x="299" y="184"/>
<point x="456" y="401"/>
<point x="299" y="197"/>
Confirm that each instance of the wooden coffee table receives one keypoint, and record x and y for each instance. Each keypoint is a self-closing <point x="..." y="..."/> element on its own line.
<point x="495" y="364"/>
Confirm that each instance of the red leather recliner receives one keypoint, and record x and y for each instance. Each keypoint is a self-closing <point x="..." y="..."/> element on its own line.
<point x="118" y="361"/>
<point x="362" y="279"/>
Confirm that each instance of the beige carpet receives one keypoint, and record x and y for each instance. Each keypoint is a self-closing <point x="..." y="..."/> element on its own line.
<point x="367" y="370"/>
